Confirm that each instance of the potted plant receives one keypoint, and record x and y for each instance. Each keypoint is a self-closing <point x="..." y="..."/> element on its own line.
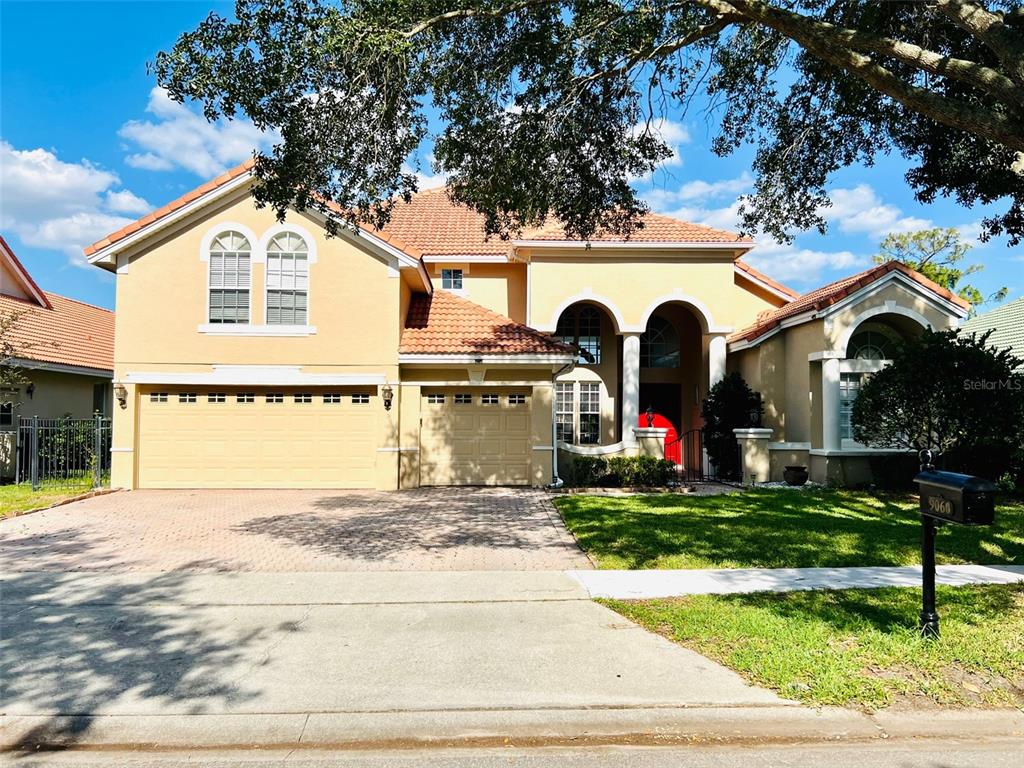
<point x="795" y="475"/>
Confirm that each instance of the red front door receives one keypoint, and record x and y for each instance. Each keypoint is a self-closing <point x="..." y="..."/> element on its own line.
<point x="673" y="450"/>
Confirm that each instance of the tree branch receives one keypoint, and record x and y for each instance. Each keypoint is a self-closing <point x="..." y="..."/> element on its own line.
<point x="822" y="41"/>
<point x="990" y="29"/>
<point x="475" y="13"/>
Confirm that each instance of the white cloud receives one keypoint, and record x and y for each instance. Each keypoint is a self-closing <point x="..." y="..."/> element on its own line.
<point x="124" y="201"/>
<point x="181" y="138"/>
<point x="50" y="203"/>
<point x="859" y="210"/>
<point x="800" y="265"/>
<point x="674" y="134"/>
<point x="426" y="180"/>
<point x="663" y="200"/>
<point x="726" y="217"/>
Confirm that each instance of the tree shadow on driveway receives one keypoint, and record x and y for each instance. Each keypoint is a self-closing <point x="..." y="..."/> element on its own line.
<point x="72" y="646"/>
<point x="374" y="527"/>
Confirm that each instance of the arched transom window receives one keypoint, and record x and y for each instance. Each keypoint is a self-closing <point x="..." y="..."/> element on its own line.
<point x="871" y="345"/>
<point x="230" y="277"/>
<point x="580" y="326"/>
<point x="659" y="346"/>
<point x="869" y="349"/>
<point x="287" y="280"/>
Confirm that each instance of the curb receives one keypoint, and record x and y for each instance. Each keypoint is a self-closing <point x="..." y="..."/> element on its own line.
<point x="62" y="502"/>
<point x="481" y="728"/>
<point x="379" y="730"/>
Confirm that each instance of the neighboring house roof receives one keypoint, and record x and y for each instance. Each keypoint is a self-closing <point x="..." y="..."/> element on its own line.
<point x="1008" y="324"/>
<point x="21" y="274"/>
<point x="68" y="332"/>
<point x="830" y="294"/>
<point x="445" y="324"/>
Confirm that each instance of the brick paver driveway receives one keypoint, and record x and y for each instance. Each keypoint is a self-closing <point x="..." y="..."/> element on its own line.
<point x="428" y="529"/>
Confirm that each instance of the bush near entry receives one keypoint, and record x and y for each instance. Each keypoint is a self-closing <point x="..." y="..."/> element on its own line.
<point x="622" y="471"/>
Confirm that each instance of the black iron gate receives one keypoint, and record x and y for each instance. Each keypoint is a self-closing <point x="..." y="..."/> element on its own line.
<point x="695" y="466"/>
<point x="63" y="453"/>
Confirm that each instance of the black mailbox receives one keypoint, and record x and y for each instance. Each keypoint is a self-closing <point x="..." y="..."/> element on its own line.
<point x="957" y="498"/>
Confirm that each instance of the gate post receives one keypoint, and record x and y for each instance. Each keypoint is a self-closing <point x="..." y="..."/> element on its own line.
<point x="34" y="443"/>
<point x="97" y="446"/>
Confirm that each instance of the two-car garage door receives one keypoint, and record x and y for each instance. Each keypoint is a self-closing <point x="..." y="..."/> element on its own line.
<point x="475" y="436"/>
<point x="257" y="438"/>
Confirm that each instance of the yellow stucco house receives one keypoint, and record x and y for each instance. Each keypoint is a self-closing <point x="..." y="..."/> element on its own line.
<point x="251" y="353"/>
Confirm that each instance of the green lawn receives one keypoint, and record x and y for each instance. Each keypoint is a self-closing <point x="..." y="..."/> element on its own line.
<point x="15" y="499"/>
<point x="778" y="529"/>
<point x="857" y="647"/>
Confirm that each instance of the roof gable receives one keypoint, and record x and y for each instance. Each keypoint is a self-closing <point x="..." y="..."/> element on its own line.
<point x="66" y="332"/>
<point x="829" y="295"/>
<point x="24" y="286"/>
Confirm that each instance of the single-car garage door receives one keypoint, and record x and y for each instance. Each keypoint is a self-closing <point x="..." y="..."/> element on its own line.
<point x="475" y="436"/>
<point x="257" y="438"/>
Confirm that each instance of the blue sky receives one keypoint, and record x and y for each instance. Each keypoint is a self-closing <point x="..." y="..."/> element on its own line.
<point x="87" y="144"/>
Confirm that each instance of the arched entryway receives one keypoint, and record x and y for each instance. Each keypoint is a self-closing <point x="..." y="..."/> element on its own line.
<point x="672" y="376"/>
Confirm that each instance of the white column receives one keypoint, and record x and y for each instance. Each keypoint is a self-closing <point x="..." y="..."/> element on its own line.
<point x="630" y="385"/>
<point x="716" y="359"/>
<point x="830" y="439"/>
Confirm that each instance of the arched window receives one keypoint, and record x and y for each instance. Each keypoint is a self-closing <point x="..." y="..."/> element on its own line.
<point x="287" y="280"/>
<point x="230" y="278"/>
<point x="659" y="346"/>
<point x="871" y="345"/>
<point x="580" y="326"/>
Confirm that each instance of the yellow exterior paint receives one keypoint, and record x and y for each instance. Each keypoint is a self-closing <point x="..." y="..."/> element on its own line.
<point x="499" y="287"/>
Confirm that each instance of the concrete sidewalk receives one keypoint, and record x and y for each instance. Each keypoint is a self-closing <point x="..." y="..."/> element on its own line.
<point x="646" y="584"/>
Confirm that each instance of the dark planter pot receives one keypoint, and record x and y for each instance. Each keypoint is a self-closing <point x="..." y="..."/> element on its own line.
<point x="795" y="475"/>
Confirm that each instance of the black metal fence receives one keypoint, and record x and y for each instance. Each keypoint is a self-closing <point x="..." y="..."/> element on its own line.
<point x="63" y="453"/>
<point x="695" y="466"/>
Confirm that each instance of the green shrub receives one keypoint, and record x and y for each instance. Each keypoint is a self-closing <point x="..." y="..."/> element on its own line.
<point x="639" y="471"/>
<point x="588" y="470"/>
<point x="730" y="404"/>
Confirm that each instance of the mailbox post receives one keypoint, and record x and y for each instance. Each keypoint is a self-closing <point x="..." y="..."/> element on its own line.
<point x="946" y="497"/>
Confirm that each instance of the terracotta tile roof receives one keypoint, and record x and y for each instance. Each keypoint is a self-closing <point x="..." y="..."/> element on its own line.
<point x="762" y="277"/>
<point x="171" y="207"/>
<point x="438" y="227"/>
<point x="656" y="229"/>
<point x="445" y="324"/>
<point x="431" y="224"/>
<point x="71" y="333"/>
<point x="828" y="295"/>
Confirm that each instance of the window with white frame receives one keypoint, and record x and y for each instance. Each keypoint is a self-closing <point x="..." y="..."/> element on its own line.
<point x="217" y="397"/>
<point x="158" y="397"/>
<point x="361" y="398"/>
<point x="275" y="397"/>
<point x="187" y="397"/>
<point x="435" y="399"/>
<point x="849" y="387"/>
<point x="517" y="399"/>
<point x="578" y="412"/>
<point x="304" y="398"/>
<point x="230" y="278"/>
<point x="580" y="327"/>
<point x="463" y="398"/>
<point x="489" y="399"/>
<point x="332" y="398"/>
<point x="590" y="413"/>
<point x="287" y="280"/>
<point x="565" y="411"/>
<point x="451" y="279"/>
<point x="245" y="397"/>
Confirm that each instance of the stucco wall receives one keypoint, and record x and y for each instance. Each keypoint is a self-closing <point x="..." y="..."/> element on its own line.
<point x="499" y="287"/>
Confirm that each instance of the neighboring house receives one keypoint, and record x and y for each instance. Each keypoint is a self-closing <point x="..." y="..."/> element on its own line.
<point x="1007" y="326"/>
<point x="253" y="353"/>
<point x="63" y="349"/>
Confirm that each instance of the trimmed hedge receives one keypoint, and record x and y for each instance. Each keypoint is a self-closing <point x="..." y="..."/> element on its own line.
<point x="622" y="471"/>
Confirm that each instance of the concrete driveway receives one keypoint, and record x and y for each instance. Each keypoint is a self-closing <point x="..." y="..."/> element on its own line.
<point x="439" y="529"/>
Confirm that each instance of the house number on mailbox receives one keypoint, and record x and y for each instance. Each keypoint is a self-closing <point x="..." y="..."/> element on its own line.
<point x="940" y="506"/>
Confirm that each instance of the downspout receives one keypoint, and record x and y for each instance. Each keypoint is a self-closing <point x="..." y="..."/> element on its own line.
<point x="556" y="481"/>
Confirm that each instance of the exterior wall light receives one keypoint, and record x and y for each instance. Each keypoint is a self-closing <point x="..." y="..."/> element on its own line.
<point x="650" y="416"/>
<point x="30" y="390"/>
<point x="121" y="393"/>
<point x="388" y="394"/>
